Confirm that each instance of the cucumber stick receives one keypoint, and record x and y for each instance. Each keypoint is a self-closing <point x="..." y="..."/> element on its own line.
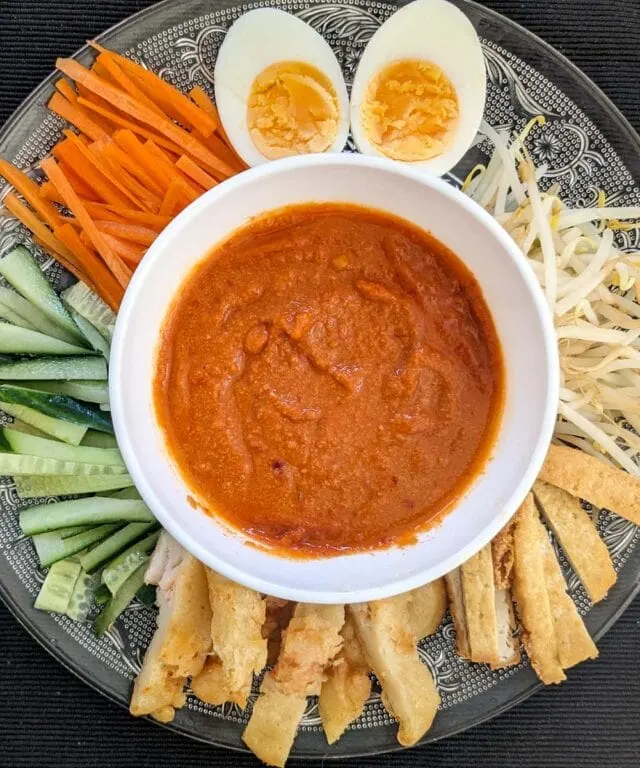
<point x="147" y="595"/>
<point x="15" y="340"/>
<point x="91" y="391"/>
<point x="63" y="430"/>
<point x="99" y="439"/>
<point x="57" y="588"/>
<point x="57" y="370"/>
<point x="81" y="299"/>
<point x="119" y="601"/>
<point x="57" y="406"/>
<point x="102" y="595"/>
<point x="28" y="316"/>
<point x="11" y="317"/>
<point x="36" y="486"/>
<point x="82" y="596"/>
<point x="17" y="464"/>
<point x="112" y="546"/>
<point x="121" y="567"/>
<point x="21" y="270"/>
<point x="92" y="334"/>
<point x="30" y="445"/>
<point x="92" y="511"/>
<point x="54" y="545"/>
<point x="125" y="493"/>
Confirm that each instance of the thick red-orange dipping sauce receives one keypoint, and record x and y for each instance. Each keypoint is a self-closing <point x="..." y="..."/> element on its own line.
<point x="329" y="379"/>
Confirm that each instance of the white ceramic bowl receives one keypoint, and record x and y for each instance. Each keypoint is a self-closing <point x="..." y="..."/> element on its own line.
<point x="521" y="317"/>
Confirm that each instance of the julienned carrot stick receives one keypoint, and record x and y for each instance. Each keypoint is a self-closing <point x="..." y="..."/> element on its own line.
<point x="73" y="158"/>
<point x="129" y="125"/>
<point x="113" y="151"/>
<point x="49" y="192"/>
<point x="109" y="63"/>
<point x="76" y="115"/>
<point x="99" y="277"/>
<point x="134" y="233"/>
<point x="100" y="167"/>
<point x="193" y="171"/>
<point x="83" y="189"/>
<point x="66" y="89"/>
<point x="34" y="225"/>
<point x="172" y="203"/>
<point x="157" y="88"/>
<point x="125" y="179"/>
<point x="120" y="271"/>
<point x="191" y="190"/>
<point x="130" y="253"/>
<point x="104" y="212"/>
<point x="201" y="98"/>
<point x="130" y="144"/>
<point x="30" y="191"/>
<point x="133" y="108"/>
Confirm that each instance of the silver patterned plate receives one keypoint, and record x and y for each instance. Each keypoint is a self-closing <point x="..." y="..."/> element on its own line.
<point x="587" y="146"/>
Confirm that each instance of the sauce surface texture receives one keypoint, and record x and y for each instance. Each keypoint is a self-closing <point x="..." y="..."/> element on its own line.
<point x="329" y="379"/>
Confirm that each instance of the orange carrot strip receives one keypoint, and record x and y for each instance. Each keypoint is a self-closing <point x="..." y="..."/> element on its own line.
<point x="157" y="88"/>
<point x="73" y="158"/>
<point x="172" y="200"/>
<point x="30" y="191"/>
<point x="49" y="192"/>
<point x="66" y="89"/>
<point x="130" y="106"/>
<point x="105" y="212"/>
<point x="129" y="125"/>
<point x="34" y="225"/>
<point x="128" y="251"/>
<point x="79" y="184"/>
<point x="120" y="271"/>
<point x="202" y="99"/>
<point x="100" y="167"/>
<point x="191" y="190"/>
<point x="113" y="151"/>
<point x="134" y="233"/>
<point x="110" y="65"/>
<point x="130" y="143"/>
<point x="99" y="277"/>
<point x="188" y="167"/>
<point x="216" y="144"/>
<point x="150" y="200"/>
<point x="76" y="115"/>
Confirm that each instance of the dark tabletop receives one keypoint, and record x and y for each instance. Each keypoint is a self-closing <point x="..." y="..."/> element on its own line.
<point x="49" y="718"/>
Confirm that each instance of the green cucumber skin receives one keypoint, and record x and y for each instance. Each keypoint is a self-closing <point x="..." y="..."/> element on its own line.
<point x="40" y="486"/>
<point x="95" y="439"/>
<point x="57" y="407"/>
<point x="49" y="371"/>
<point x="93" y="511"/>
<point x="20" y="269"/>
<point x="90" y="390"/>
<point x="15" y="340"/>
<point x="30" y="445"/>
<point x="92" y="335"/>
<point x="120" y="568"/>
<point x="58" y="586"/>
<point x="51" y="547"/>
<point x="111" y="547"/>
<point x="18" y="464"/>
<point x="6" y="313"/>
<point x="120" y="601"/>
<point x="29" y="316"/>
<point x="82" y="596"/>
<point x="63" y="430"/>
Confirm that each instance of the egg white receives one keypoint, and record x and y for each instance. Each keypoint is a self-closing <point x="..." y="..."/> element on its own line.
<point x="437" y="32"/>
<point x="257" y="40"/>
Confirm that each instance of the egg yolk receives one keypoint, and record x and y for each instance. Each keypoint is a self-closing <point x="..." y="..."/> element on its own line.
<point x="292" y="110"/>
<point x="410" y="110"/>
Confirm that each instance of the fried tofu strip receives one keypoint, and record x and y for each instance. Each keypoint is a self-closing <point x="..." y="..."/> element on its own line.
<point x="180" y="644"/>
<point x="574" y="529"/>
<point x="599" y="483"/>
<point x="530" y="593"/>
<point x="238" y="614"/>
<point x="347" y="687"/>
<point x="453" y="581"/>
<point x="508" y="644"/>
<point x="408" y="690"/>
<point x="311" y="641"/>
<point x="573" y="641"/>
<point x="480" y="608"/>
<point x="502" y="554"/>
<point x="427" y="607"/>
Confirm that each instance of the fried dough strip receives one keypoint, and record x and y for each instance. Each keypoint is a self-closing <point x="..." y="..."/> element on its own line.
<point x="480" y="608"/>
<point x="453" y="581"/>
<point x="427" y="607"/>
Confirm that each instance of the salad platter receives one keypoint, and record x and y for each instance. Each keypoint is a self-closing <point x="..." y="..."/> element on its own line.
<point x="583" y="153"/>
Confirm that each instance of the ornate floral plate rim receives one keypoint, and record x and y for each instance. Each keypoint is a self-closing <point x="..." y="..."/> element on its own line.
<point x="379" y="739"/>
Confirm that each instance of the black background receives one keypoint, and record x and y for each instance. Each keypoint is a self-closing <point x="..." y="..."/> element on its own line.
<point x="49" y="718"/>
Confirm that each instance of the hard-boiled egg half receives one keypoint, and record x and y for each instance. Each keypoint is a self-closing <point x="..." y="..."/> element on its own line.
<point x="279" y="88"/>
<point x="419" y="91"/>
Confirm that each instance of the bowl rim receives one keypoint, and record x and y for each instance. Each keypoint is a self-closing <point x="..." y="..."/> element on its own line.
<point x="238" y="574"/>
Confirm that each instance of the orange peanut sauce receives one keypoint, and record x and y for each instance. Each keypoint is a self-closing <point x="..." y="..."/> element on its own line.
<point x="329" y="380"/>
